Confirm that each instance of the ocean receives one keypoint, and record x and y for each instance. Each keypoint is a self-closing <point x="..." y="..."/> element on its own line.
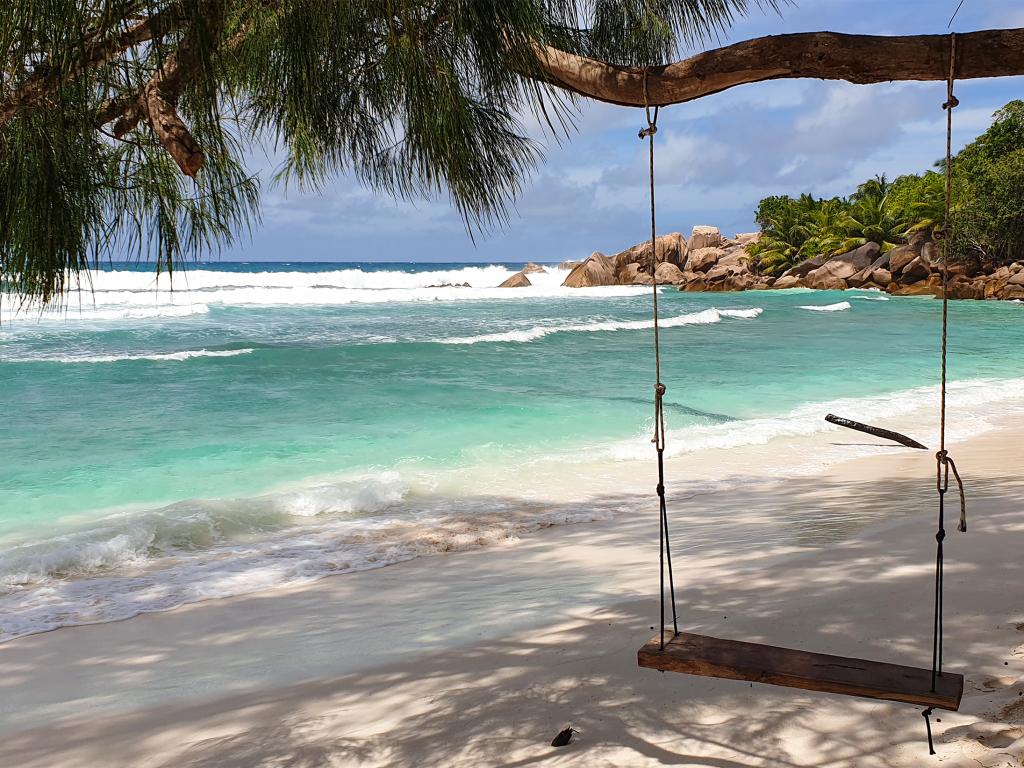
<point x="253" y="426"/>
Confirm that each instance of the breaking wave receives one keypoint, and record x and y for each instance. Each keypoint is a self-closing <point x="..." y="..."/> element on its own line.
<point x="136" y="563"/>
<point x="143" y="310"/>
<point x="128" y="295"/>
<point x="155" y="357"/>
<point x="842" y="306"/>
<point x="705" y="317"/>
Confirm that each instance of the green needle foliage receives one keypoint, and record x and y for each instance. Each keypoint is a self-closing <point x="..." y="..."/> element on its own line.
<point x="125" y="125"/>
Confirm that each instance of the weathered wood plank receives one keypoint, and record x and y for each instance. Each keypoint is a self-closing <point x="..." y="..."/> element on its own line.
<point x="737" y="660"/>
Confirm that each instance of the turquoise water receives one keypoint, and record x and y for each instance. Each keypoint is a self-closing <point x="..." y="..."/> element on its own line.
<point x="151" y="431"/>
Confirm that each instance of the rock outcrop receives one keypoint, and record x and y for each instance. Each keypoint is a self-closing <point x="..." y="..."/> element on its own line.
<point x="915" y="271"/>
<point x="534" y="269"/>
<point x="596" y="270"/>
<point x="672" y="249"/>
<point x="881" y="264"/>
<point x="804" y="268"/>
<point x="703" y="259"/>
<point x="518" y="280"/>
<point x="789" y="281"/>
<point x="669" y="274"/>
<point x="705" y="237"/>
<point x="900" y="256"/>
<point x="881" y="277"/>
<point x="709" y="262"/>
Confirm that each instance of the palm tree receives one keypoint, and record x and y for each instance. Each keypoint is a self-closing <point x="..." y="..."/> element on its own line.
<point x="783" y="235"/>
<point x="878" y="187"/>
<point x="873" y="217"/>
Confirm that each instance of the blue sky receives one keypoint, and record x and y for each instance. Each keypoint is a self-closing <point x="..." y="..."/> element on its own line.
<point x="716" y="157"/>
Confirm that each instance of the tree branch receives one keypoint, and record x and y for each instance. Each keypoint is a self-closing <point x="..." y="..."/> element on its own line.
<point x="38" y="87"/>
<point x="821" y="55"/>
<point x="157" y="102"/>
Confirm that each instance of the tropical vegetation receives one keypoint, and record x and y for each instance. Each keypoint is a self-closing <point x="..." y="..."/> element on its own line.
<point x="987" y="207"/>
<point x="130" y="127"/>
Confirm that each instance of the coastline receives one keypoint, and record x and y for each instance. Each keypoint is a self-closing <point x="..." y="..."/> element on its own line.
<point x="480" y="657"/>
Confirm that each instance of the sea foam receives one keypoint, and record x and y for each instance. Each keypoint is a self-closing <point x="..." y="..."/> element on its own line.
<point x="127" y="295"/>
<point x="158" y="357"/>
<point x="808" y="420"/>
<point x="185" y="554"/>
<point x="704" y="317"/>
<point x="841" y="306"/>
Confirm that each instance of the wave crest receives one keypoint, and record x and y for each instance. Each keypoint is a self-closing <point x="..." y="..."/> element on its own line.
<point x="705" y="317"/>
<point x="841" y="306"/>
<point x="158" y="357"/>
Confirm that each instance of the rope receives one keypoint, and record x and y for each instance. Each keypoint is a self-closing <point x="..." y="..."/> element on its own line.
<point x="928" y="725"/>
<point x="665" y="552"/>
<point x="943" y="462"/>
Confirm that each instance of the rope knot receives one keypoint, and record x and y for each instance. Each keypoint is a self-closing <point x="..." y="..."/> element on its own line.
<point x="944" y="462"/>
<point x="953" y="103"/>
<point x="660" y="389"/>
<point x="940" y="535"/>
<point x="648" y="131"/>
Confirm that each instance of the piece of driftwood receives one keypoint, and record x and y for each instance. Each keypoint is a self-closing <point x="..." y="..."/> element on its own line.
<point x="886" y="434"/>
<point x="736" y="660"/>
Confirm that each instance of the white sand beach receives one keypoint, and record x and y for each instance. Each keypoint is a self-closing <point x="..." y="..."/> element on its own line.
<point x="479" y="658"/>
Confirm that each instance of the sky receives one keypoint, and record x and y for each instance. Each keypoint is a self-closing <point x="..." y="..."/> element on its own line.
<point x="716" y="157"/>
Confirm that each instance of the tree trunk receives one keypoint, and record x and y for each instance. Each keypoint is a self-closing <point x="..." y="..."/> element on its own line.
<point x="820" y="55"/>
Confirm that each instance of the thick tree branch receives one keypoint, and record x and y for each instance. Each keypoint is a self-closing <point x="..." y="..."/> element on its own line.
<point x="170" y="129"/>
<point x="97" y="53"/>
<point x="157" y="102"/>
<point x="821" y="55"/>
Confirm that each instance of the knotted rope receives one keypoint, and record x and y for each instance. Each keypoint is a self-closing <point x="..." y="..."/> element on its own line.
<point x="943" y="462"/>
<point x="665" y="553"/>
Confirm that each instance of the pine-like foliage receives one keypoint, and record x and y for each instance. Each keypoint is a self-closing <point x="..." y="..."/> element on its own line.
<point x="125" y="124"/>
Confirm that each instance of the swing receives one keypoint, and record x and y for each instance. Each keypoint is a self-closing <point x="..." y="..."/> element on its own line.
<point x="695" y="654"/>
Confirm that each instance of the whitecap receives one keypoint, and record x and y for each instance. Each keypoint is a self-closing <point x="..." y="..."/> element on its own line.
<point x="155" y="357"/>
<point x="141" y="311"/>
<point x="704" y="317"/>
<point x="839" y="307"/>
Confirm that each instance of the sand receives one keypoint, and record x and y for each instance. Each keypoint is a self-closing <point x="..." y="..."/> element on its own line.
<point x="479" y="658"/>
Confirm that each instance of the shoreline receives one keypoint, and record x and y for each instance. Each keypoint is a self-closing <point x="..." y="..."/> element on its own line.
<point x="484" y="506"/>
<point x="474" y="663"/>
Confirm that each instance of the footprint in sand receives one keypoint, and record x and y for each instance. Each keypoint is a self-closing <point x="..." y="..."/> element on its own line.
<point x="989" y="684"/>
<point x="978" y="739"/>
<point x="1001" y="739"/>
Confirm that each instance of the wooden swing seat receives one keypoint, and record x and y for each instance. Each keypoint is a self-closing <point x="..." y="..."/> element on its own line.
<point x="737" y="660"/>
